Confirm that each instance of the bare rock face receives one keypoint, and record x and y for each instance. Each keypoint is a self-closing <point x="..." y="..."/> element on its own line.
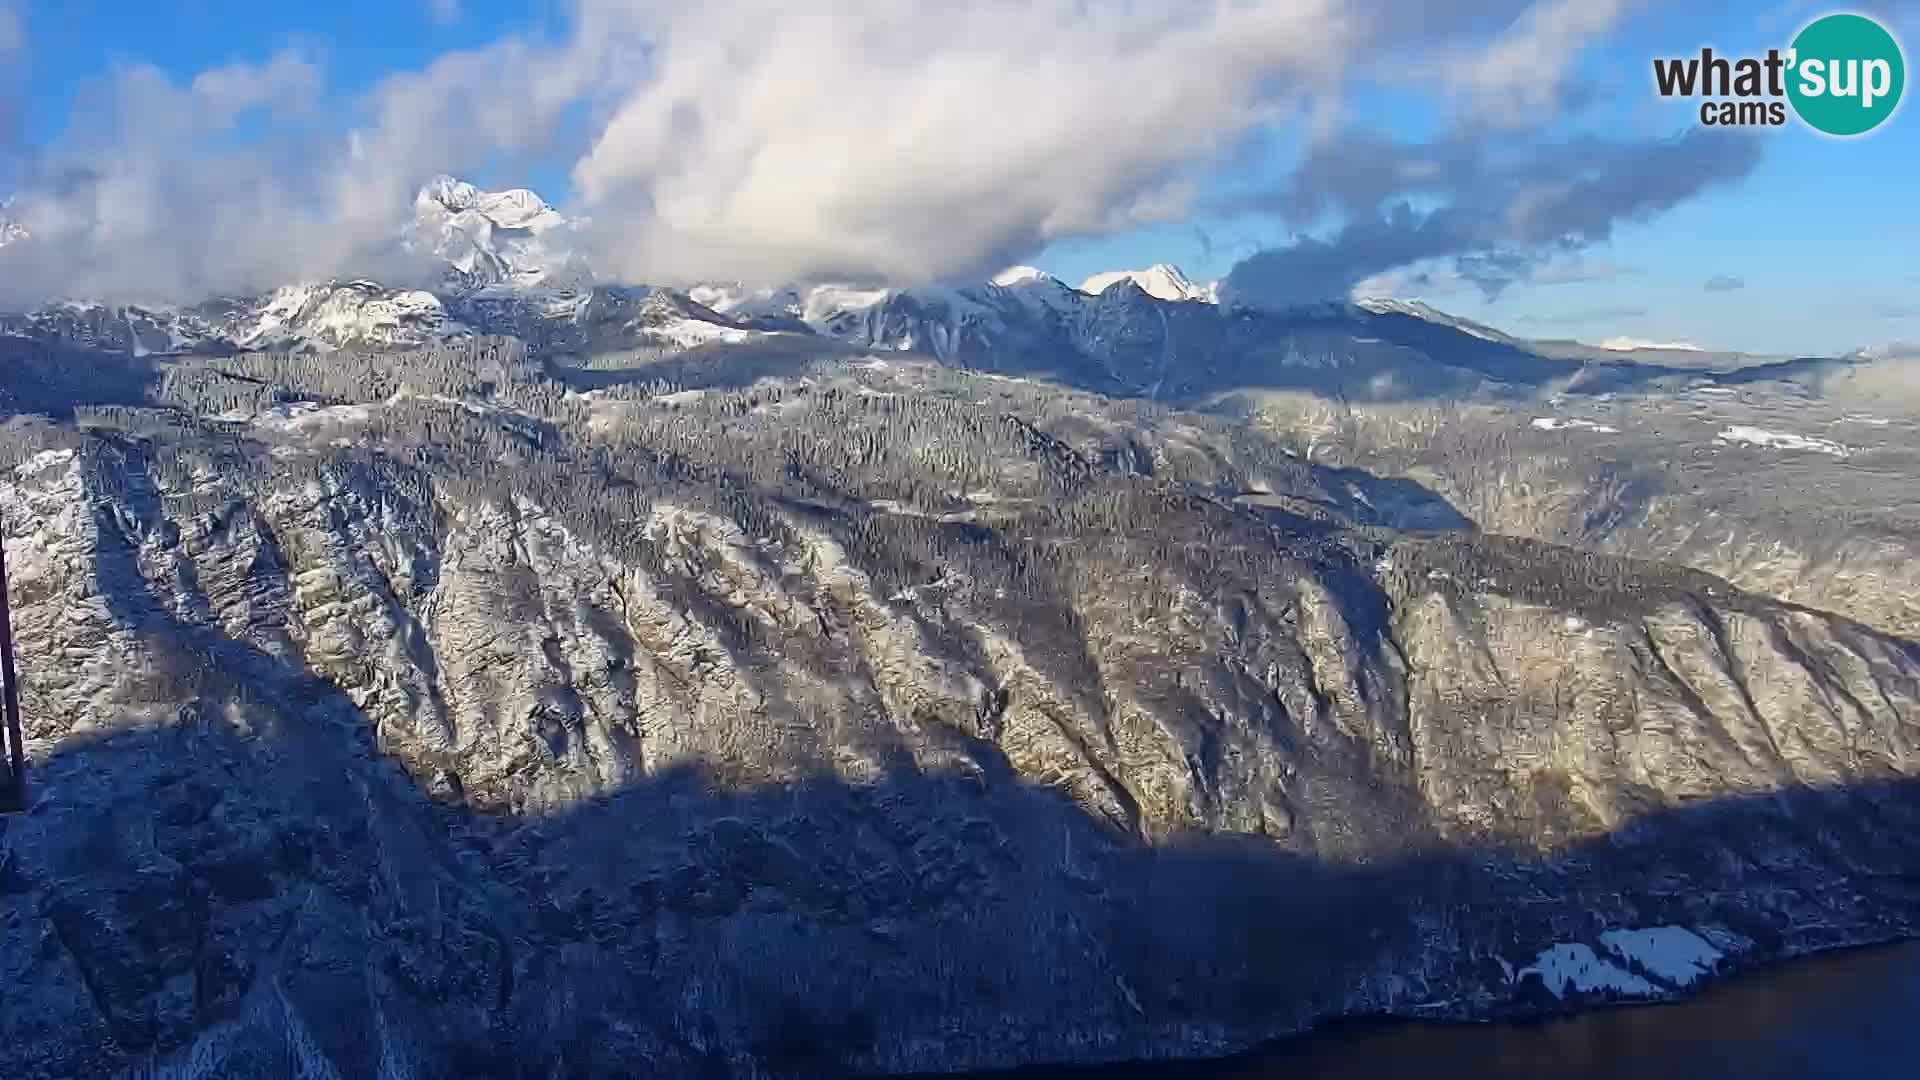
<point x="490" y="726"/>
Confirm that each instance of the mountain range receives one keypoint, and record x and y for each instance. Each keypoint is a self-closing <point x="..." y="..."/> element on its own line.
<point x="510" y="265"/>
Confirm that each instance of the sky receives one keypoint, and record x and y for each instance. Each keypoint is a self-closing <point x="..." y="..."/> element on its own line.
<point x="1505" y="160"/>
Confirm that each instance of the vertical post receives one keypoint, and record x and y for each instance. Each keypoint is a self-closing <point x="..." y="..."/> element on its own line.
<point x="14" y="795"/>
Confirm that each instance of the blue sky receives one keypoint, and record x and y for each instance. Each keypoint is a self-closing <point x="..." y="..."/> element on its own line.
<point x="1821" y="233"/>
<point x="1824" y="234"/>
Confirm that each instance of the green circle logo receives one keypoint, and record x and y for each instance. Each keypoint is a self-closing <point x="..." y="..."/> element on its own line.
<point x="1845" y="74"/>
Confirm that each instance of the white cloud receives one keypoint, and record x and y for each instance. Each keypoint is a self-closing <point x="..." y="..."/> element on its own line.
<point x="444" y="12"/>
<point x="754" y="140"/>
<point x="170" y="192"/>
<point x="775" y="140"/>
<point x="152" y="199"/>
<point x="746" y="139"/>
<point x="1520" y="78"/>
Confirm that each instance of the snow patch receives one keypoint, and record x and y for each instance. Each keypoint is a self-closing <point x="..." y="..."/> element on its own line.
<point x="1577" y="968"/>
<point x="45" y="459"/>
<point x="1629" y="344"/>
<point x="1780" y="440"/>
<point x="689" y="333"/>
<point x="1555" y="423"/>
<point x="1673" y="954"/>
<point x="302" y="417"/>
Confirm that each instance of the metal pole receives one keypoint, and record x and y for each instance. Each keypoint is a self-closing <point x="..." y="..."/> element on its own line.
<point x="14" y="797"/>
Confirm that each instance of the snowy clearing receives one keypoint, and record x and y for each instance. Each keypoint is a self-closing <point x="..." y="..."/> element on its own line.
<point x="1672" y="954"/>
<point x="1555" y="423"/>
<point x="1578" y="968"/>
<point x="44" y="459"/>
<point x="1780" y="440"/>
<point x="690" y="333"/>
<point x="300" y="417"/>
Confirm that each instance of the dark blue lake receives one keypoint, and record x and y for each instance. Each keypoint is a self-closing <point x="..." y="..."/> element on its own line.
<point x="1853" y="1014"/>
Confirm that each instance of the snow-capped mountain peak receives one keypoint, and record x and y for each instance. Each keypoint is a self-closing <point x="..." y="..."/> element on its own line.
<point x="448" y="192"/>
<point x="1022" y="275"/>
<point x="516" y="208"/>
<point x="495" y="237"/>
<point x="1036" y="289"/>
<point x="1162" y="281"/>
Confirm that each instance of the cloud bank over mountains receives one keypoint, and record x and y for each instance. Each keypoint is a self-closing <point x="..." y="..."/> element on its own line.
<point x="765" y="143"/>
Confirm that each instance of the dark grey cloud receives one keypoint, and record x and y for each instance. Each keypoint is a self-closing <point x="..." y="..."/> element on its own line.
<point x="1725" y="283"/>
<point x="1311" y="270"/>
<point x="1501" y="206"/>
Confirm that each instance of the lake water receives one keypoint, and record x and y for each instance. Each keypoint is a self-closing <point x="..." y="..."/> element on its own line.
<point x="1853" y="1014"/>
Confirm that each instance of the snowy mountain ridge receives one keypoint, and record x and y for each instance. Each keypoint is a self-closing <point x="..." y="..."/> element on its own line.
<point x="514" y="265"/>
<point x="1162" y="281"/>
<point x="1382" y="305"/>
